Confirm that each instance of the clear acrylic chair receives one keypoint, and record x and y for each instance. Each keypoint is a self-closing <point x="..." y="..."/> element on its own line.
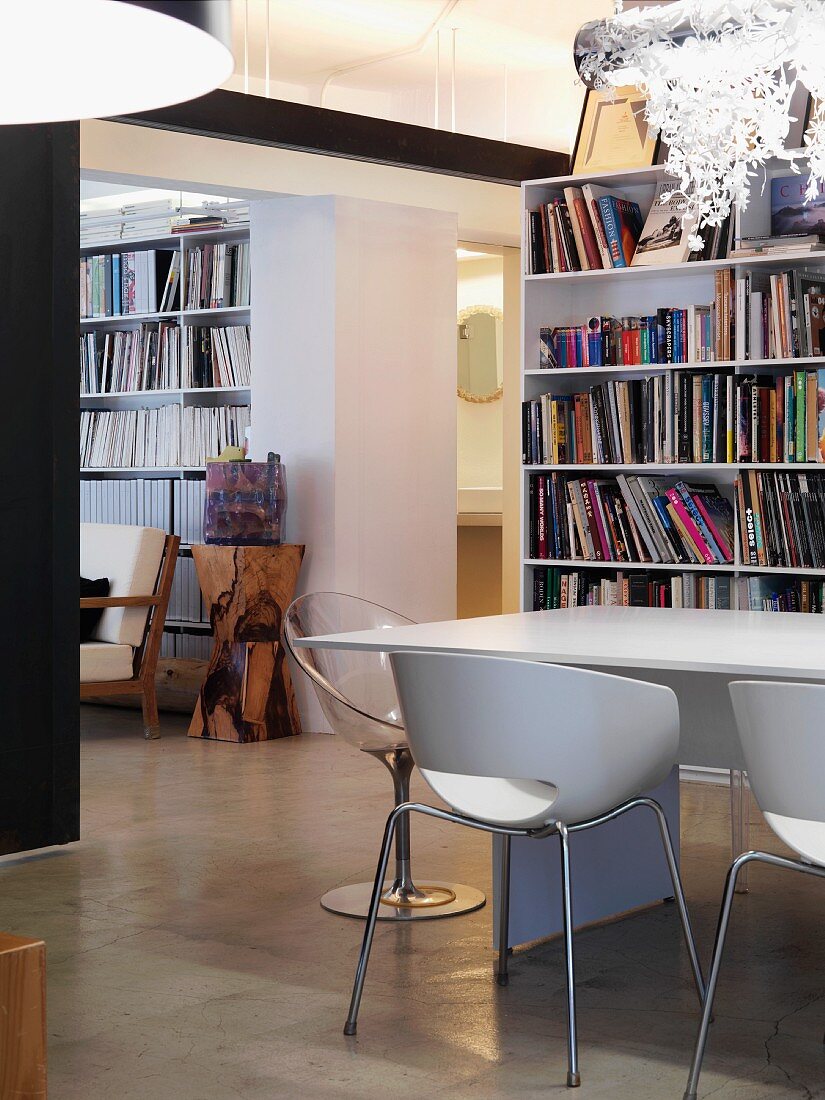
<point x="526" y="749"/>
<point x="357" y="694"/>
<point x="780" y="728"/>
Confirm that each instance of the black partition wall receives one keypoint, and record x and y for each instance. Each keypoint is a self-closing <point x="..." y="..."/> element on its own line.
<point x="39" y="556"/>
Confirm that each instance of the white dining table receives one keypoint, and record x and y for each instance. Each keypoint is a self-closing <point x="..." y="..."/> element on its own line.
<point x="697" y="653"/>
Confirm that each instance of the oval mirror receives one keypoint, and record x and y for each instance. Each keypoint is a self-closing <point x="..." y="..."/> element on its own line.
<point x="480" y="353"/>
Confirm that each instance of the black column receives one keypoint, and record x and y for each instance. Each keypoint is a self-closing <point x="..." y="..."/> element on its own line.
<point x="39" y="556"/>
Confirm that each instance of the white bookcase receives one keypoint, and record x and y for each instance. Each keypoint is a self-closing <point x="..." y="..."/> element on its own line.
<point x="195" y="631"/>
<point x="571" y="297"/>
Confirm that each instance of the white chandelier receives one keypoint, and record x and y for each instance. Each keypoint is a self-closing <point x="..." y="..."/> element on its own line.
<point x="719" y="76"/>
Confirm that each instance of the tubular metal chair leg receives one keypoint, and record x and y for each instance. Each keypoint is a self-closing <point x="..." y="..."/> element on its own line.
<point x="502" y="977"/>
<point x="740" y="815"/>
<point x="351" y="1025"/>
<point x="679" y="895"/>
<point x="573" y="1076"/>
<point x="713" y="976"/>
<point x="738" y="865"/>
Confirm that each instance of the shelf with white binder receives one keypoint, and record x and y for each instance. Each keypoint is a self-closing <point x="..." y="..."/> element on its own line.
<point x="135" y="399"/>
<point x="180" y="486"/>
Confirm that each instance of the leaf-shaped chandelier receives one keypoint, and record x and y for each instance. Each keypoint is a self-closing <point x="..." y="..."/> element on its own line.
<point x="719" y="76"/>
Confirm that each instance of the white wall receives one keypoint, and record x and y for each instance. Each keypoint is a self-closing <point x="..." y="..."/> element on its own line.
<point x="480" y="426"/>
<point x="353" y="373"/>
<point x="488" y="212"/>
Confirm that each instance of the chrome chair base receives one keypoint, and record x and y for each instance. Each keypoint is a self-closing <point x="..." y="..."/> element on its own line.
<point x="440" y="899"/>
<point x="401" y="813"/>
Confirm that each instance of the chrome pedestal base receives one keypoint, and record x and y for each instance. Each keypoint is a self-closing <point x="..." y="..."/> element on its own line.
<point x="440" y="899"/>
<point x="402" y="899"/>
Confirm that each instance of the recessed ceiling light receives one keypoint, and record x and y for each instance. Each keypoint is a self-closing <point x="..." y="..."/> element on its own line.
<point x="62" y="60"/>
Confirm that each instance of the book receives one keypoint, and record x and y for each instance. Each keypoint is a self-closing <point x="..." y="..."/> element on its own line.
<point x="583" y="231"/>
<point x="814" y="314"/>
<point x="664" y="239"/>
<point x="791" y="212"/>
<point x="592" y="193"/>
<point x="622" y="226"/>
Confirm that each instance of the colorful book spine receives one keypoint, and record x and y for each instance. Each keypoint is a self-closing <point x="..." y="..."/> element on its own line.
<point x="693" y="532"/>
<point x="612" y="230"/>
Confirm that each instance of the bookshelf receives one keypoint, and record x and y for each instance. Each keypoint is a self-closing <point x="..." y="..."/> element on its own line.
<point x="569" y="298"/>
<point x="187" y="632"/>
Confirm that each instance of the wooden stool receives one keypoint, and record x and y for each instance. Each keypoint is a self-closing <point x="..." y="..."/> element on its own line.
<point x="22" y="1018"/>
<point x="247" y="694"/>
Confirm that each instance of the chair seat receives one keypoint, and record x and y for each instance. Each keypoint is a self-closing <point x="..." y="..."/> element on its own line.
<point x="807" y="838"/>
<point x="101" y="661"/>
<point x="515" y="803"/>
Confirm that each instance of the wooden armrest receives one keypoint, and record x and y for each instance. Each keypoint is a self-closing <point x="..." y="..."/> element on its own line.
<point x="119" y="601"/>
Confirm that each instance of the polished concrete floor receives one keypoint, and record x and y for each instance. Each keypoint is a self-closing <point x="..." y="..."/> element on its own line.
<point x="189" y="959"/>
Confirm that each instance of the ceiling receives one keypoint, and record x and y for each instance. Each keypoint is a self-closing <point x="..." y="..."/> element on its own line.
<point x="514" y="76"/>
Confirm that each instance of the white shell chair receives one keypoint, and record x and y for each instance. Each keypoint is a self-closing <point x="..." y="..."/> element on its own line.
<point x="357" y="695"/>
<point x="780" y="728"/>
<point x="526" y="749"/>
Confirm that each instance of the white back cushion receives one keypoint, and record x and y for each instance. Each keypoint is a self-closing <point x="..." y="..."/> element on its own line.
<point x="130" y="557"/>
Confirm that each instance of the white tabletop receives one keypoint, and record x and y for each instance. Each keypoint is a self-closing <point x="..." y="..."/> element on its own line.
<point x="738" y="643"/>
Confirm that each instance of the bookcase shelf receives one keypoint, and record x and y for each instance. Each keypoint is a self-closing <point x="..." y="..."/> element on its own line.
<point x="675" y="467"/>
<point x="570" y="298"/>
<point x="678" y="271"/>
<point x="186" y="316"/>
<point x="624" y="566"/>
<point x="575" y="564"/>
<point x="646" y="467"/>
<point x="136" y="396"/>
<point x="745" y="366"/>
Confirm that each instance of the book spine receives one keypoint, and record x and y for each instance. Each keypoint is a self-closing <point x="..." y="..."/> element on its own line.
<point x="726" y="550"/>
<point x="592" y="523"/>
<point x="690" y="527"/>
<point x="811" y="416"/>
<point x="541" y="516"/>
<point x="571" y="196"/>
<point x="591" y="246"/>
<point x="707" y="420"/>
<point x="800" y="442"/>
<point x="698" y="518"/>
<point x="612" y="231"/>
<point x="593" y="210"/>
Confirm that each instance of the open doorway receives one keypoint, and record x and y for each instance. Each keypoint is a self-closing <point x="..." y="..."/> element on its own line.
<point x="480" y="428"/>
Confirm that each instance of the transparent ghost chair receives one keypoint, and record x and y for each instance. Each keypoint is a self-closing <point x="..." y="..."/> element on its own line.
<point x="357" y="694"/>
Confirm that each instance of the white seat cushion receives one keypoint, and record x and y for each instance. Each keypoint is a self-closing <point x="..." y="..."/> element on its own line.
<point x="105" y="661"/>
<point x="130" y="557"/>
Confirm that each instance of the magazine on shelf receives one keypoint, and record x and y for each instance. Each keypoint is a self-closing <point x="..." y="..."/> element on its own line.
<point x="664" y="239"/>
<point x="791" y="212"/>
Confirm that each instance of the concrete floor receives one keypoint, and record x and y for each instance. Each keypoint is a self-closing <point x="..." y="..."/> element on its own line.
<point x="189" y="959"/>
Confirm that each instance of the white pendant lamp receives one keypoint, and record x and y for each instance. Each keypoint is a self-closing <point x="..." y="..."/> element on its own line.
<point x="73" y="59"/>
<point x="719" y="76"/>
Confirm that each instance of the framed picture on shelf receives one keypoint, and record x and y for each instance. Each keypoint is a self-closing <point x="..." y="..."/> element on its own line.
<point x="800" y="111"/>
<point x="613" y="133"/>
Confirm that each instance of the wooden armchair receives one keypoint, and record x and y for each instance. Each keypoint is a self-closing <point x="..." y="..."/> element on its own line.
<point x="122" y="656"/>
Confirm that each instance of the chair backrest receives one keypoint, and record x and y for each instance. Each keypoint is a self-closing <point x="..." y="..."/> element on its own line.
<point x="598" y="740"/>
<point x="356" y="690"/>
<point x="130" y="557"/>
<point x="781" y="729"/>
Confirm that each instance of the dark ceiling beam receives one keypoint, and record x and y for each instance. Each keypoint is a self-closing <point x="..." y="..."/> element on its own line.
<point x="233" y="116"/>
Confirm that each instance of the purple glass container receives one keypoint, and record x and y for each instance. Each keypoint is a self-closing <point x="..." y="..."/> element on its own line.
<point x="245" y="503"/>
